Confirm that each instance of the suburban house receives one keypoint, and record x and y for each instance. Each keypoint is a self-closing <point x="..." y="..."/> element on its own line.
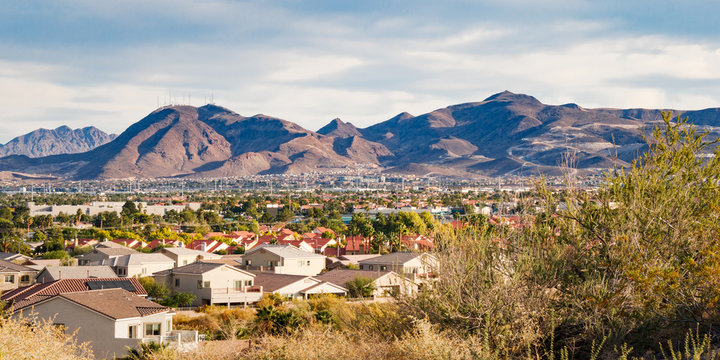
<point x="39" y="264"/>
<point x="110" y="319"/>
<point x="13" y="276"/>
<point x="417" y="242"/>
<point x="184" y="256"/>
<point x="208" y="245"/>
<point x="411" y="264"/>
<point x="14" y="257"/>
<point x="53" y="273"/>
<point x="385" y="283"/>
<point x="283" y="259"/>
<point x="165" y="242"/>
<point x="102" y="253"/>
<point x="356" y="245"/>
<point x="23" y="297"/>
<point x="131" y="243"/>
<point x="139" y="264"/>
<point x="296" y="286"/>
<point x="212" y="283"/>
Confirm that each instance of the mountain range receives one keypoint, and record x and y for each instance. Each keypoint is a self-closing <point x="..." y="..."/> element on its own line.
<point x="63" y="140"/>
<point x="506" y="133"/>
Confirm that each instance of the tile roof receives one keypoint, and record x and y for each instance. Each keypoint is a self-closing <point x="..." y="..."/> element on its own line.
<point x="285" y="251"/>
<point x="396" y="258"/>
<point x="193" y="268"/>
<point x="115" y="303"/>
<point x="343" y="276"/>
<point x="138" y="259"/>
<point x="272" y="282"/>
<point x="10" y="267"/>
<point x="28" y="295"/>
<point x="79" y="272"/>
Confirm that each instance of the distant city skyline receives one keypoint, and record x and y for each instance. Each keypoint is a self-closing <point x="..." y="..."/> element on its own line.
<point x="108" y="64"/>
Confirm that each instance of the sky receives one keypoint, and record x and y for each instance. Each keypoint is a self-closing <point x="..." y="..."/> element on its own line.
<point x="110" y="63"/>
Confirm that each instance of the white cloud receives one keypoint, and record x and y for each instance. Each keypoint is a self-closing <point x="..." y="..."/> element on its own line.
<point x="312" y="68"/>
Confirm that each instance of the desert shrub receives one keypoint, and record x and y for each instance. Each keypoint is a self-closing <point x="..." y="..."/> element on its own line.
<point x="360" y="286"/>
<point x="41" y="340"/>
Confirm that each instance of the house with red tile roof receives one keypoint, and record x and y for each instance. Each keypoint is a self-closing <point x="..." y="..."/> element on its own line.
<point x="356" y="245"/>
<point x="110" y="320"/>
<point x="131" y="243"/>
<point x="23" y="297"/>
<point x="208" y="245"/>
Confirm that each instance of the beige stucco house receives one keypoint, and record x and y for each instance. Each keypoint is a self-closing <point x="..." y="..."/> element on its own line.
<point x="212" y="283"/>
<point x="283" y="259"/>
<point x="410" y="264"/>
<point x="385" y="283"/>
<point x="184" y="256"/>
<point x="296" y="286"/>
<point x="13" y="276"/>
<point x="111" y="320"/>
<point x="139" y="265"/>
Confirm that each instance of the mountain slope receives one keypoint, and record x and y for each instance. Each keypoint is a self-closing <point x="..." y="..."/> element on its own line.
<point x="63" y="140"/>
<point x="504" y="134"/>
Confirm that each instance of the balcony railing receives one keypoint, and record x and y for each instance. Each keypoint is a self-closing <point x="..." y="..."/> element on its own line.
<point x="180" y="339"/>
<point x="246" y="289"/>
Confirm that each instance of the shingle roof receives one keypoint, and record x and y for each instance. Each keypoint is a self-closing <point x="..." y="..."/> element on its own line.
<point x="396" y="258"/>
<point x="28" y="295"/>
<point x="186" y="251"/>
<point x="79" y="272"/>
<point x="343" y="276"/>
<point x="139" y="259"/>
<point x="272" y="282"/>
<point x="115" y="303"/>
<point x="285" y="251"/>
<point x="10" y="267"/>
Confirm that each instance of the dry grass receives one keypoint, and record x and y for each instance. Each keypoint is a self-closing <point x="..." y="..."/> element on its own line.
<point x="39" y="341"/>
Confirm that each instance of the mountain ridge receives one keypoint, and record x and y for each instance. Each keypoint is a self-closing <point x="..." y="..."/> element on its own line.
<point x="504" y="134"/>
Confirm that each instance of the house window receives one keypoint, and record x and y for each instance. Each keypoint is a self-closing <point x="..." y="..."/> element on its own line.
<point x="10" y="278"/>
<point x="144" y="270"/>
<point x="199" y="284"/>
<point x="167" y="326"/>
<point x="206" y="284"/>
<point x="371" y="267"/>
<point x="177" y="282"/>
<point x="248" y="262"/>
<point x="25" y="278"/>
<point x="184" y="262"/>
<point x="308" y="263"/>
<point x="270" y="263"/>
<point x="248" y="282"/>
<point x="300" y="263"/>
<point x="383" y="268"/>
<point x="152" y="329"/>
<point x="238" y="284"/>
<point x="132" y="332"/>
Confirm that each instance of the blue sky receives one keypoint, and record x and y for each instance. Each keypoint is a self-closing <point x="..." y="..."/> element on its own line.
<point x="109" y="63"/>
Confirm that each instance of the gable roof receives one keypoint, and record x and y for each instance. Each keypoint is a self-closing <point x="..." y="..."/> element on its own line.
<point x="10" y="267"/>
<point x="138" y="259"/>
<point x="12" y="256"/>
<point x="78" y="272"/>
<point x="396" y="258"/>
<point x="285" y="251"/>
<point x="272" y="282"/>
<point x="28" y="295"/>
<point x="185" y="252"/>
<point x="198" y="268"/>
<point x="343" y="276"/>
<point x="114" y="303"/>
